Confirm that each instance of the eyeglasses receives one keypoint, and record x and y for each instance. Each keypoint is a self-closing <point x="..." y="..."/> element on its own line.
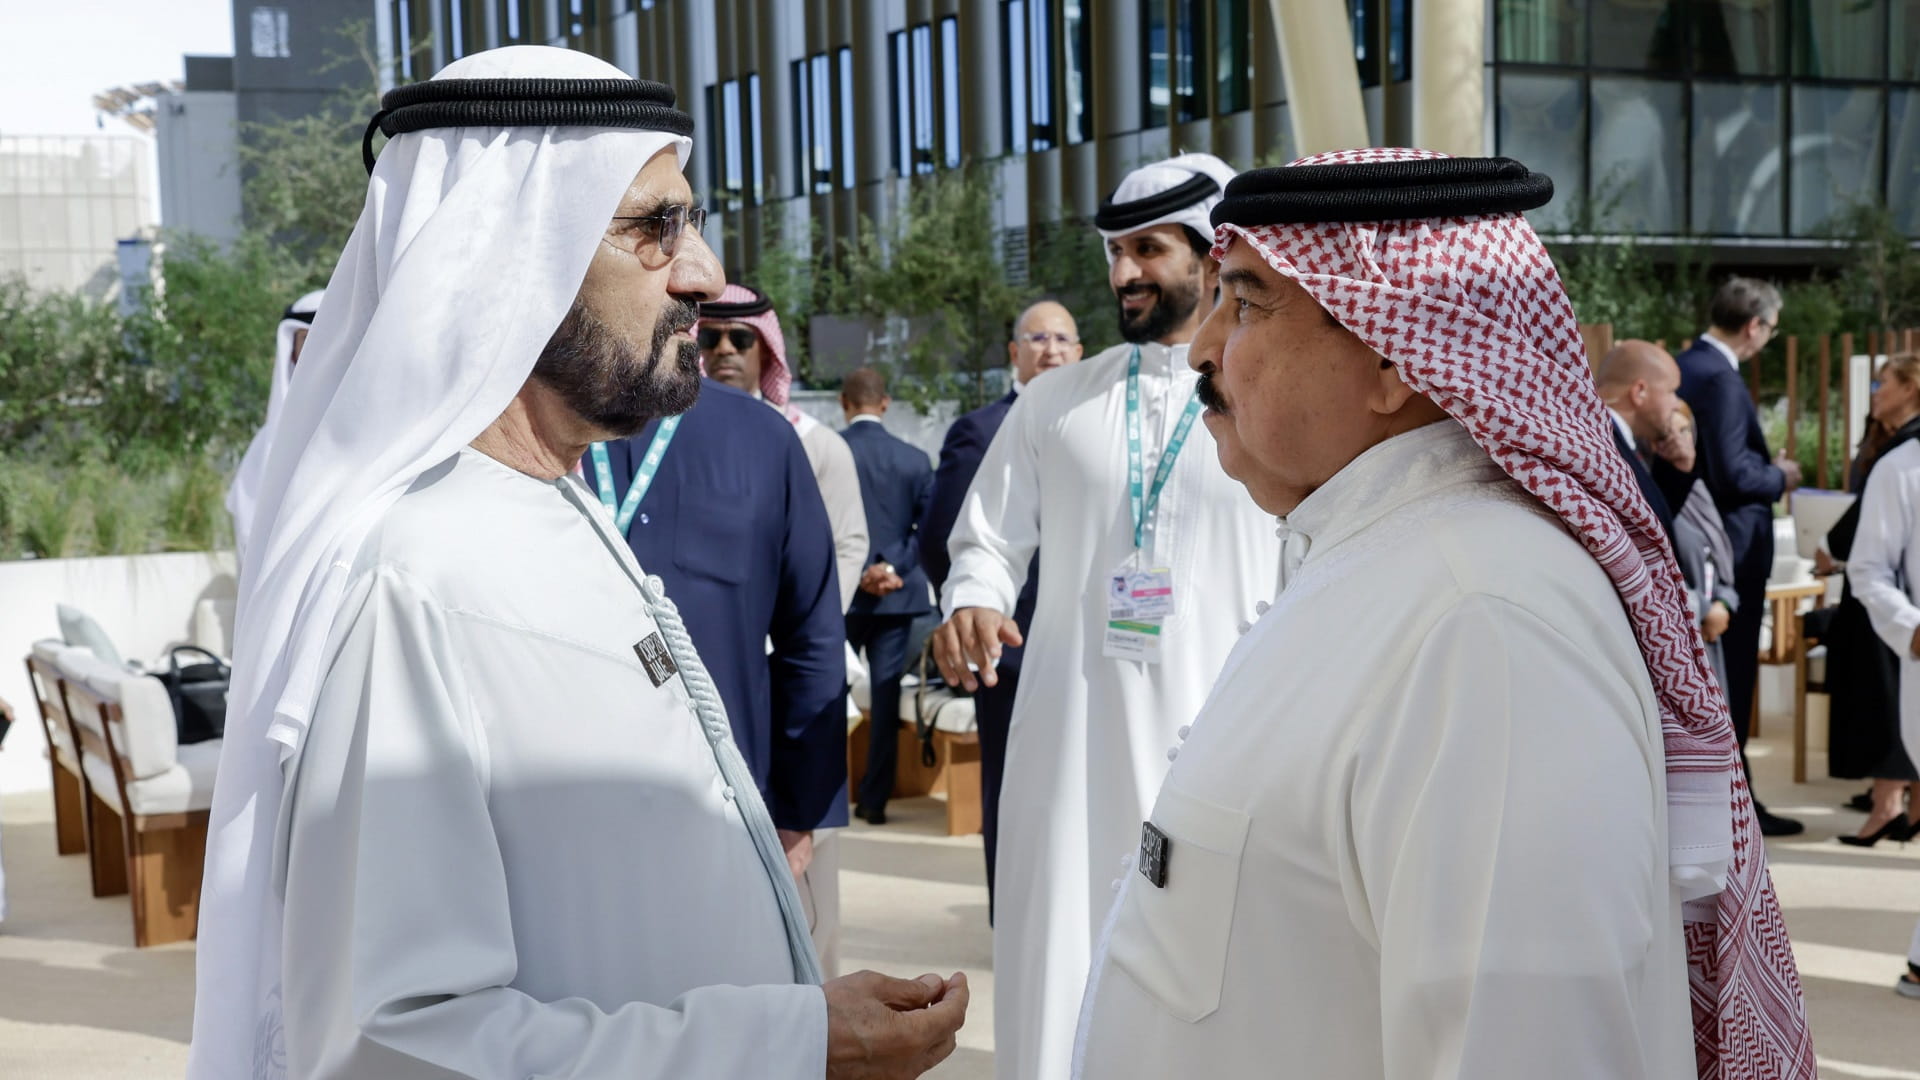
<point x="1041" y="339"/>
<point x="665" y="228"/>
<point x="742" y="337"/>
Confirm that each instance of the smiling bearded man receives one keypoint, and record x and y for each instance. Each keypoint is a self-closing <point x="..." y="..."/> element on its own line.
<point x="1465" y="802"/>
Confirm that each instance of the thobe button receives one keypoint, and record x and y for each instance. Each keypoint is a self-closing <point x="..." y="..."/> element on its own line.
<point x="1172" y="752"/>
<point x="1245" y="626"/>
<point x="1261" y="608"/>
<point x="727" y="794"/>
<point x="1185" y="730"/>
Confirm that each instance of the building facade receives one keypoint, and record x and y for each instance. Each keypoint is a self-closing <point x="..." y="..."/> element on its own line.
<point x="1745" y="125"/>
<point x="65" y="203"/>
<point x="197" y="129"/>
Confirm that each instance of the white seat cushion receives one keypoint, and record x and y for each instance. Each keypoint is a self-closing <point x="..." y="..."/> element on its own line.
<point x="187" y="786"/>
<point x="148" y="735"/>
<point x="50" y="651"/>
<point x="950" y="713"/>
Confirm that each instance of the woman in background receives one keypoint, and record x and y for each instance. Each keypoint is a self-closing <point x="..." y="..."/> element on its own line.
<point x="1705" y="553"/>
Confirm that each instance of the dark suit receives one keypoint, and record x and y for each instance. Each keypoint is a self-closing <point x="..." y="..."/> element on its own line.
<point x="735" y="526"/>
<point x="895" y="484"/>
<point x="1644" y="477"/>
<point x="966" y="444"/>
<point x="1744" y="482"/>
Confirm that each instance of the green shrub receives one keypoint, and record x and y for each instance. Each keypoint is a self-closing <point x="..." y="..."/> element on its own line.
<point x="196" y="513"/>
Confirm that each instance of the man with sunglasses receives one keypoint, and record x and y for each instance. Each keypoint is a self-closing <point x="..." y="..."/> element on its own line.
<point x="741" y="345"/>
<point x="722" y="504"/>
<point x="1044" y="337"/>
<point x="1744" y="480"/>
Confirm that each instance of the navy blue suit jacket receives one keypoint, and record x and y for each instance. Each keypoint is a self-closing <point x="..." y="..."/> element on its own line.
<point x="960" y="455"/>
<point x="895" y="483"/>
<point x="1733" y="458"/>
<point x="735" y="527"/>
<point x="1656" y="498"/>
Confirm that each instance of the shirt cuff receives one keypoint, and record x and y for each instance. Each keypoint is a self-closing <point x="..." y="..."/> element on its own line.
<point x="971" y="593"/>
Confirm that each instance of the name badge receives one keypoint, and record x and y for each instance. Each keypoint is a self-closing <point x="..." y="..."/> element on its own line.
<point x="1132" y="639"/>
<point x="1140" y="594"/>
<point x="653" y="654"/>
<point x="1153" y="854"/>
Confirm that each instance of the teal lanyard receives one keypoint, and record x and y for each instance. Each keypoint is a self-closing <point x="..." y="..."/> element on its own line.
<point x="642" y="479"/>
<point x="1144" y="506"/>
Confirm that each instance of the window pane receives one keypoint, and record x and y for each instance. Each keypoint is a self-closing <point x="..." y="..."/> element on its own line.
<point x="1366" y="55"/>
<point x="1906" y="28"/>
<point x="949" y="89"/>
<point x="1638" y="148"/>
<point x="1079" y="80"/>
<point x="1638" y="35"/>
<point x="1542" y="122"/>
<point x="1542" y="31"/>
<point x="456" y="31"/>
<point x="802" y="130"/>
<point x="848" y="166"/>
<point x="1836" y="153"/>
<point x="1233" y="56"/>
<point x="1154" y="41"/>
<point x="1840" y="40"/>
<point x="1736" y="159"/>
<point x="1013" y="34"/>
<point x="902" y="105"/>
<point x="1189" y="62"/>
<point x="1738" y="37"/>
<point x="1399" y="40"/>
<point x="755" y="139"/>
<point x="1903" y="177"/>
<point x="822" y="75"/>
<point x="922" y="99"/>
<point x="1040" y="92"/>
<point x="732" y="153"/>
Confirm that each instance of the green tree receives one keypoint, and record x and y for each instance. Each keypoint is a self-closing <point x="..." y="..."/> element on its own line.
<point x="1069" y="263"/>
<point x="936" y="269"/>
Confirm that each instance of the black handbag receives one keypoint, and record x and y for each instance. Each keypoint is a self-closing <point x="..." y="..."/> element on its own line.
<point x="198" y="693"/>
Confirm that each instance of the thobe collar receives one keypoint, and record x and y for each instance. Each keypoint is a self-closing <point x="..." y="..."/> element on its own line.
<point x="1378" y="482"/>
<point x="1725" y="350"/>
<point x="1160" y="359"/>
<point x="1626" y="432"/>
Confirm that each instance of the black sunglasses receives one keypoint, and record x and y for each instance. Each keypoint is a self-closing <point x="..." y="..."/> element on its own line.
<point x="667" y="226"/>
<point x="742" y="337"/>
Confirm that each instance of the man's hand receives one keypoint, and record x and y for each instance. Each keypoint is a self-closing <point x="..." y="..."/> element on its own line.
<point x="974" y="635"/>
<point x="881" y="1028"/>
<point x="799" y="848"/>
<point x="1914" y="645"/>
<point x="1716" y="622"/>
<point x="1823" y="563"/>
<point x="880" y="579"/>
<point x="1791" y="468"/>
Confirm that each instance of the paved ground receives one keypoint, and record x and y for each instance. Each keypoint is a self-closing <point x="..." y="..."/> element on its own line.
<point x="78" y="1002"/>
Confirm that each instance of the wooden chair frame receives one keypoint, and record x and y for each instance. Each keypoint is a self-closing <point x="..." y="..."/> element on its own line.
<point x="69" y="781"/>
<point x="156" y="857"/>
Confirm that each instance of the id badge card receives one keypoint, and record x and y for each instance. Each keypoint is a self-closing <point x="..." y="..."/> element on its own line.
<point x="1132" y="639"/>
<point x="1140" y="594"/>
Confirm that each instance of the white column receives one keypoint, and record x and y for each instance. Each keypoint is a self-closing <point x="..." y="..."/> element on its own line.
<point x="1323" y="86"/>
<point x="1449" y="76"/>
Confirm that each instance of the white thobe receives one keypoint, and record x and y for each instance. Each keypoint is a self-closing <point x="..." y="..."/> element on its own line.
<point x="833" y="470"/>
<point x="1885" y="550"/>
<point x="1087" y="746"/>
<point x="507" y="851"/>
<point x="1419" y="829"/>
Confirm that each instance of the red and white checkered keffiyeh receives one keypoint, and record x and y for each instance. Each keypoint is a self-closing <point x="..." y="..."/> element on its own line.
<point x="1472" y="314"/>
<point x="776" y="380"/>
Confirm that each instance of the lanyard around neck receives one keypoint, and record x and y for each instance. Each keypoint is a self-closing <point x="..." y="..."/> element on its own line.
<point x="642" y="478"/>
<point x="1146" y="503"/>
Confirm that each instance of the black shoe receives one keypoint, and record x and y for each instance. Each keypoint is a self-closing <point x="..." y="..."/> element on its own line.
<point x="1895" y="829"/>
<point x="871" y="815"/>
<point x="1773" y="825"/>
<point x="1862" y="802"/>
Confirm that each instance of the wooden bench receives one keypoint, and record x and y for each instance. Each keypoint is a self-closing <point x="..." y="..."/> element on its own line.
<point x="155" y="856"/>
<point x="69" y="783"/>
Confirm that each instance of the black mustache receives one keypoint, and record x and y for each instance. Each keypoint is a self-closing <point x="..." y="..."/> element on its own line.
<point x="679" y="315"/>
<point x="1209" y="394"/>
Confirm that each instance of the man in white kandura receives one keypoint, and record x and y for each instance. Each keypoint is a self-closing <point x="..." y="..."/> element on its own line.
<point x="479" y="811"/>
<point x="1465" y="802"/>
<point x="1149" y="558"/>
